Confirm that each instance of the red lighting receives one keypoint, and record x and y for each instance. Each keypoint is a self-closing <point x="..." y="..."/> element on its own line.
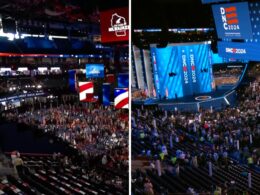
<point x="27" y="55"/>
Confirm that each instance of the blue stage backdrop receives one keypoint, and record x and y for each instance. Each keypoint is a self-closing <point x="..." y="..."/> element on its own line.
<point x="106" y="94"/>
<point x="182" y="69"/>
<point x="123" y="80"/>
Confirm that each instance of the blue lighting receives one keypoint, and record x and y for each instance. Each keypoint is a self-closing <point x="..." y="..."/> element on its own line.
<point x="182" y="70"/>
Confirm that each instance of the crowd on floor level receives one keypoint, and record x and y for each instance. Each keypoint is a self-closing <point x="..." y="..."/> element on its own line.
<point x="99" y="133"/>
<point x="100" y="127"/>
<point x="227" y="72"/>
<point x="215" y="136"/>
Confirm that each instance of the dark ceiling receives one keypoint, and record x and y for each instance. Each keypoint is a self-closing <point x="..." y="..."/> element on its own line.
<point x="170" y="14"/>
<point x="61" y="10"/>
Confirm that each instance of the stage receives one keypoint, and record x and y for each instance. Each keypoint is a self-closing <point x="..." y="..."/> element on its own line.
<point x="216" y="100"/>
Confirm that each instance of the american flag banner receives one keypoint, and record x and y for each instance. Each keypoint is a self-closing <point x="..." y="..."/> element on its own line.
<point x="121" y="98"/>
<point x="84" y="89"/>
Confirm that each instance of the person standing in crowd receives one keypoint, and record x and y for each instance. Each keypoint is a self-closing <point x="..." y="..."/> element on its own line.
<point x="148" y="187"/>
<point x="18" y="164"/>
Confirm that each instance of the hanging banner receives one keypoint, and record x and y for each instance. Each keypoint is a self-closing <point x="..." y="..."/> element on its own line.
<point x="121" y="98"/>
<point x="106" y="94"/>
<point x="114" y="25"/>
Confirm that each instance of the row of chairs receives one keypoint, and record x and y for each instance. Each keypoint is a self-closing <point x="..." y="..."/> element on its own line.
<point x="15" y="186"/>
<point x="44" y="175"/>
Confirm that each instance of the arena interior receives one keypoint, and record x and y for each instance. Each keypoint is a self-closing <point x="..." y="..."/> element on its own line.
<point x="64" y="97"/>
<point x="195" y="97"/>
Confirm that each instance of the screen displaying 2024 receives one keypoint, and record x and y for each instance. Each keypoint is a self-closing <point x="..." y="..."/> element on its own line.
<point x="238" y="21"/>
<point x="182" y="69"/>
<point x="232" y="20"/>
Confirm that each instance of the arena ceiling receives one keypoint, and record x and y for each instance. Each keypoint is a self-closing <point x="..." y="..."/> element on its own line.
<point x="171" y="14"/>
<point x="58" y="10"/>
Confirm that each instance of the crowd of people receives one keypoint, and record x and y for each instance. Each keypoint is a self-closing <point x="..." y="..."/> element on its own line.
<point x="101" y="127"/>
<point x="215" y="135"/>
<point x="227" y="72"/>
<point x="99" y="133"/>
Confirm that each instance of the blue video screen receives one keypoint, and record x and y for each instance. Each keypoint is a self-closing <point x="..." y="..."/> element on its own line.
<point x="240" y="51"/>
<point x="95" y="70"/>
<point x="123" y="80"/>
<point x="182" y="70"/>
<point x="232" y="20"/>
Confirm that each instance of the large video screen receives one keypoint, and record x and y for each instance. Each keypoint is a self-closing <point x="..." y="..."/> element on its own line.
<point x="95" y="70"/>
<point x="182" y="69"/>
<point x="232" y="20"/>
<point x="242" y="51"/>
<point x="114" y="25"/>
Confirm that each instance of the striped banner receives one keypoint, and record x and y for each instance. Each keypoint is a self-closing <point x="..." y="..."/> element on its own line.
<point x="121" y="98"/>
<point x="84" y="89"/>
